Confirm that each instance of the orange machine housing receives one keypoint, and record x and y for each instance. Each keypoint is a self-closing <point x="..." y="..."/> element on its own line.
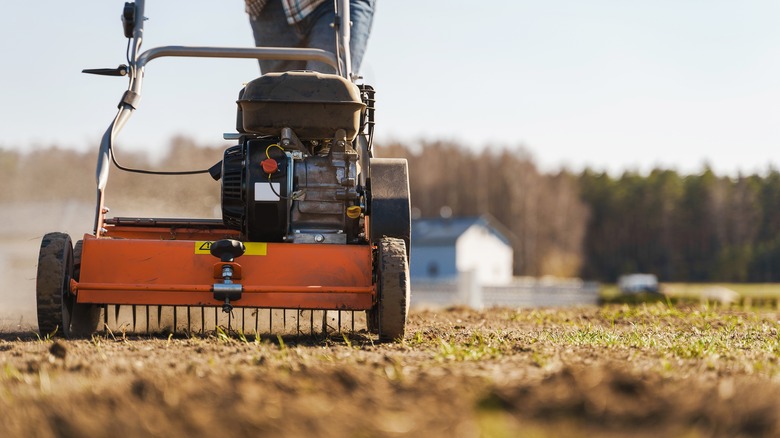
<point x="148" y="265"/>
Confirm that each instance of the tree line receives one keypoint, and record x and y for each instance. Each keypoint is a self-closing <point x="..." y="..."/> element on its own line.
<point x="700" y="227"/>
<point x="688" y="228"/>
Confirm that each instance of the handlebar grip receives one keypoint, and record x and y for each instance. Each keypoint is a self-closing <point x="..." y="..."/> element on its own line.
<point x="128" y="19"/>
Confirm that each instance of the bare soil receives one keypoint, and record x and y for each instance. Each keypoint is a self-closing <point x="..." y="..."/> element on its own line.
<point x="612" y="371"/>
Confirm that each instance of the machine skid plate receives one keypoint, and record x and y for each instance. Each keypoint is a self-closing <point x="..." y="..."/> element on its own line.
<point x="175" y="272"/>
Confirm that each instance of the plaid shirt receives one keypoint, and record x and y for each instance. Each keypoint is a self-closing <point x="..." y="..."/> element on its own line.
<point x="296" y="10"/>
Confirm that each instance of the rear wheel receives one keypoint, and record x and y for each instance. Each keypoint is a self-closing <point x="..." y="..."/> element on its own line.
<point x="390" y="206"/>
<point x="58" y="312"/>
<point x="392" y="308"/>
<point x="390" y="213"/>
<point x="372" y="320"/>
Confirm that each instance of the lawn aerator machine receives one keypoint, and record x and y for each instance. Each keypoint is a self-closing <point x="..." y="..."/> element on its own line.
<point x="310" y="220"/>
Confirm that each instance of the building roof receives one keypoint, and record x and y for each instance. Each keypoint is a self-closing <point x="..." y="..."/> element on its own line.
<point x="441" y="231"/>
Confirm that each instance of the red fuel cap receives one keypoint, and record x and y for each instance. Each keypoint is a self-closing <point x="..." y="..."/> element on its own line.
<point x="270" y="166"/>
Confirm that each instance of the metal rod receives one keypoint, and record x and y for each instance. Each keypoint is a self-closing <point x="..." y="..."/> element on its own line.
<point x="285" y="53"/>
<point x="140" y="287"/>
<point x="344" y="35"/>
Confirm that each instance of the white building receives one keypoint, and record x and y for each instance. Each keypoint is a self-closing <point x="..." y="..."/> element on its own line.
<point x="444" y="248"/>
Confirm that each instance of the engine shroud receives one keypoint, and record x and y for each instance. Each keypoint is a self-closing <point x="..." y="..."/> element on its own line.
<point x="254" y="202"/>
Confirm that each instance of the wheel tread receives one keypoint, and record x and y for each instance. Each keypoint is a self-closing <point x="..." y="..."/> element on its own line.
<point x="52" y="267"/>
<point x="394" y="297"/>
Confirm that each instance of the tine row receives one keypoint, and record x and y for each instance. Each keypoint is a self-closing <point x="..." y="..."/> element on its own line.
<point x="141" y="319"/>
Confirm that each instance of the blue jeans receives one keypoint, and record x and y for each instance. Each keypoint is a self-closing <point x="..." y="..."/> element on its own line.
<point x="272" y="30"/>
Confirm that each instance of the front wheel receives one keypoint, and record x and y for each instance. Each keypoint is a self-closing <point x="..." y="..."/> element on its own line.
<point x="392" y="309"/>
<point x="58" y="312"/>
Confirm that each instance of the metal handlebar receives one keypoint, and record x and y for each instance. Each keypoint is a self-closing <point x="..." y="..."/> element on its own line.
<point x="130" y="99"/>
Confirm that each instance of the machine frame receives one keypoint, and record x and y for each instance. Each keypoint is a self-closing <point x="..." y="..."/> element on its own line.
<point x="167" y="262"/>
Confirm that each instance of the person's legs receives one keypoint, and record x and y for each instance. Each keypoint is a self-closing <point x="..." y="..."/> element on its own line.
<point x="270" y="29"/>
<point x="362" y="17"/>
<point x="315" y="31"/>
<point x="322" y="36"/>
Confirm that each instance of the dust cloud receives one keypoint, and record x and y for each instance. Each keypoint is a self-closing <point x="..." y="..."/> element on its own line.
<point x="23" y="226"/>
<point x="53" y="189"/>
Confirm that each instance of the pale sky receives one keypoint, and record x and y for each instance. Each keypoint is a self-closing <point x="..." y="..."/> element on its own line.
<point x="611" y="84"/>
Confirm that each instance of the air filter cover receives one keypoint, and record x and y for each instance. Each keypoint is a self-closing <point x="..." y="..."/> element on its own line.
<point x="314" y="105"/>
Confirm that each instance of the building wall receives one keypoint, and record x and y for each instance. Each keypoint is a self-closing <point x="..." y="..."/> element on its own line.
<point x="481" y="250"/>
<point x="432" y="263"/>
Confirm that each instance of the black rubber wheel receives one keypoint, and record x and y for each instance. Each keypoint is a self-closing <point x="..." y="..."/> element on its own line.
<point x="58" y="312"/>
<point x="392" y="272"/>
<point x="390" y="205"/>
<point x="372" y="320"/>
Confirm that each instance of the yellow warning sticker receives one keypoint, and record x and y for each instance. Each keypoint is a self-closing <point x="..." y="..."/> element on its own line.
<point x="252" y="248"/>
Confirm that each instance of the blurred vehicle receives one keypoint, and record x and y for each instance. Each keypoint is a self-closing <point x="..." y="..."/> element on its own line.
<point x="638" y="283"/>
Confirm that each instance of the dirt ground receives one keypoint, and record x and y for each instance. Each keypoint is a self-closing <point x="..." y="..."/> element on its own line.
<point x="611" y="371"/>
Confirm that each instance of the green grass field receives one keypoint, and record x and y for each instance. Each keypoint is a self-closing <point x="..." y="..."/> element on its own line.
<point x="747" y="294"/>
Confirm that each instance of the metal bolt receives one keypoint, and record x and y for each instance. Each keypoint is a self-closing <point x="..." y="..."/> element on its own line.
<point x="319" y="238"/>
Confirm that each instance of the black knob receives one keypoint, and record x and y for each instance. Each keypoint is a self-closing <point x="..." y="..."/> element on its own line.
<point x="128" y="19"/>
<point x="227" y="249"/>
